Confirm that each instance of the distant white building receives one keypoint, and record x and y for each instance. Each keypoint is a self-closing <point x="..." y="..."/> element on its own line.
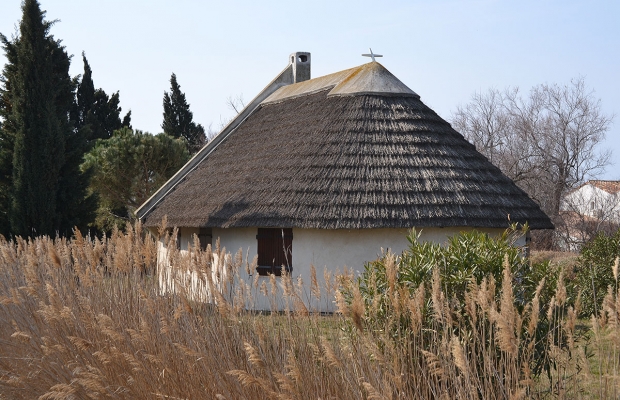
<point x="592" y="207"/>
<point x="596" y="199"/>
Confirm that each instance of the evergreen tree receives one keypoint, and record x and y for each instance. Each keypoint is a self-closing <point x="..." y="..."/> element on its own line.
<point x="128" y="168"/>
<point x="7" y="137"/>
<point x="97" y="114"/>
<point x="85" y="95"/>
<point x="127" y="120"/>
<point x="47" y="191"/>
<point x="179" y="120"/>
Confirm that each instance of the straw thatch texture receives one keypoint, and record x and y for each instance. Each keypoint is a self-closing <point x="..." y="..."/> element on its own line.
<point x="352" y="162"/>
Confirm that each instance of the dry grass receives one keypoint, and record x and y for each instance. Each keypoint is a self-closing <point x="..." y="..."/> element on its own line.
<point x="563" y="258"/>
<point x="83" y="318"/>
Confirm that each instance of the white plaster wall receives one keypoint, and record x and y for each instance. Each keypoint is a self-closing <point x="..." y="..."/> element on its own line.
<point x="327" y="250"/>
<point x="234" y="239"/>
<point x="187" y="237"/>
<point x="339" y="248"/>
<point x="186" y="273"/>
<point x="331" y="251"/>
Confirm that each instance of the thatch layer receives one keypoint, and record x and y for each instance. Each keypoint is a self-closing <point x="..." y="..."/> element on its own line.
<point x="350" y="162"/>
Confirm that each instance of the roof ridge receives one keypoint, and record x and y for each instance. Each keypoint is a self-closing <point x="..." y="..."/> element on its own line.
<point x="308" y="87"/>
<point x="370" y="78"/>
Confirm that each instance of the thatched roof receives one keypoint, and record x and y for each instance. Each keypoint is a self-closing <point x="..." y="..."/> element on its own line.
<point x="355" y="149"/>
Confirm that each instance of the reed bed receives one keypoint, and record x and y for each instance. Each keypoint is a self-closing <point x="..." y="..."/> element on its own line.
<point x="84" y="318"/>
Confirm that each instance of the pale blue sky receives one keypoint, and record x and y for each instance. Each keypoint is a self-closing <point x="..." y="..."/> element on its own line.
<point x="443" y="50"/>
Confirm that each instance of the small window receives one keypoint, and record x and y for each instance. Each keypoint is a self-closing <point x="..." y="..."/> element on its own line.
<point x="205" y="236"/>
<point x="275" y="250"/>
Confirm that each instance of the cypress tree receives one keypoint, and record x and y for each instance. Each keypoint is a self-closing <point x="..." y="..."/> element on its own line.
<point x="97" y="115"/>
<point x="6" y="173"/>
<point x="7" y="137"/>
<point x="85" y="94"/>
<point x="179" y="120"/>
<point x="47" y="192"/>
<point x="127" y="120"/>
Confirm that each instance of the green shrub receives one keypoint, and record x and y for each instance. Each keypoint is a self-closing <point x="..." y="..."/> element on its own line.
<point x="466" y="258"/>
<point x="594" y="272"/>
<point x="453" y="279"/>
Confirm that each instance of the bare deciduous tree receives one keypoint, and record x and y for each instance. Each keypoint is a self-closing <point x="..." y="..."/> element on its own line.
<point x="547" y="142"/>
<point x="236" y="104"/>
<point x="211" y="133"/>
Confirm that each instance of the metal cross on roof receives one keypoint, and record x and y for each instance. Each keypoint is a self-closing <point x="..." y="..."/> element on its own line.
<point x="372" y="55"/>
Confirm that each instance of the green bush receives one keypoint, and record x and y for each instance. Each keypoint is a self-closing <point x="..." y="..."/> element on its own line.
<point x="468" y="265"/>
<point x="466" y="258"/>
<point x="594" y="272"/>
<point x="469" y="256"/>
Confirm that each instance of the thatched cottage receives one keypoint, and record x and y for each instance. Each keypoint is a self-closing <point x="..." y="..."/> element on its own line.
<point x="328" y="171"/>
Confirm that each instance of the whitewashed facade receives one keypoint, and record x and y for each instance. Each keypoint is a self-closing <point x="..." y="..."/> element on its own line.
<point x="330" y="252"/>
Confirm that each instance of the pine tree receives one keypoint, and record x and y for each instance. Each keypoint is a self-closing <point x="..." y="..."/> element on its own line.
<point x="179" y="120"/>
<point x="128" y="168"/>
<point x="47" y="191"/>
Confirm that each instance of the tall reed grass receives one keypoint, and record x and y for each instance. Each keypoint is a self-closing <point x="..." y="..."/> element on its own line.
<point x="84" y="318"/>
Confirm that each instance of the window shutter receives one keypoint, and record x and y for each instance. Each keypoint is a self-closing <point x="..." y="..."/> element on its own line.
<point x="275" y="249"/>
